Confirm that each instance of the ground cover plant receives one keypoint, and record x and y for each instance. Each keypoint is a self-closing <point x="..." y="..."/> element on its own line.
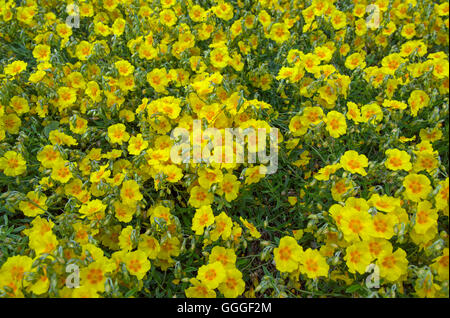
<point x="95" y="203"/>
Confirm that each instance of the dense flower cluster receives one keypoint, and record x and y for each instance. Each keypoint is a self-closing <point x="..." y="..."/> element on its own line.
<point x="91" y="91"/>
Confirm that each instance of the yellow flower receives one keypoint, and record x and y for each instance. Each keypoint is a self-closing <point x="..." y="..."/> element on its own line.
<point x="358" y="257"/>
<point x="149" y="245"/>
<point x="383" y="225"/>
<point x="137" y="144"/>
<point x="355" y="224"/>
<point x="392" y="264"/>
<point x="384" y="203"/>
<point x="203" y="218"/>
<point x="253" y="231"/>
<point x="336" y="124"/>
<point x="167" y="17"/>
<point x="233" y="284"/>
<point x="35" y="204"/>
<point x="397" y="160"/>
<point x="41" y="52"/>
<point x="417" y="187"/>
<point x="117" y="133"/>
<point x="313" y="264"/>
<point x="130" y="193"/>
<point x="226" y="256"/>
<point x="298" y="125"/>
<point x="137" y="263"/>
<point x="425" y="217"/>
<point x="19" y="104"/>
<point x="15" y="68"/>
<point x="355" y="60"/>
<point x="222" y="227"/>
<point x="287" y="255"/>
<point x="212" y="274"/>
<point x="354" y="163"/>
<point x="440" y="265"/>
<point x="200" y="197"/>
<point x="371" y="112"/>
<point x="279" y="32"/>
<point x="219" y="57"/>
<point x="124" y="68"/>
<point x="418" y="100"/>
<point x="199" y="290"/>
<point x="12" y="164"/>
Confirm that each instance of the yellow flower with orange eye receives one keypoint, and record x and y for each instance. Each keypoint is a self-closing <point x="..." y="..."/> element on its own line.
<point x="157" y="79"/>
<point x="353" y="113"/>
<point x="19" y="104"/>
<point x="355" y="60"/>
<point x="355" y="224"/>
<point x="137" y="263"/>
<point x="279" y="32"/>
<point x="226" y="256"/>
<point x="440" y="265"/>
<point x="117" y="134"/>
<point x="149" y="245"/>
<point x="287" y="255"/>
<point x="66" y="97"/>
<point x="229" y="186"/>
<point x="167" y="17"/>
<point x="425" y="218"/>
<point x="100" y="175"/>
<point x="124" y="213"/>
<point x="324" y="173"/>
<point x="418" y="100"/>
<point x="61" y="171"/>
<point x="384" y="203"/>
<point x="13" y="164"/>
<point x="398" y="160"/>
<point x="310" y="61"/>
<point x="391" y="63"/>
<point x="392" y="265"/>
<point x="35" y="204"/>
<point x="313" y="264"/>
<point x="338" y="19"/>
<point x="223" y="10"/>
<point x="219" y="57"/>
<point x="208" y="177"/>
<point x="118" y="26"/>
<point x="233" y="284"/>
<point x="371" y="112"/>
<point x="442" y="196"/>
<point x="354" y="162"/>
<point x="341" y="188"/>
<point x="93" y="91"/>
<point x="94" y="209"/>
<point x="83" y="50"/>
<point x="124" y="68"/>
<point x="130" y="193"/>
<point x="358" y="257"/>
<point x="408" y="31"/>
<point x="41" y="52"/>
<point x="200" y="197"/>
<point x="173" y="173"/>
<point x="222" y="227"/>
<point x="136" y="145"/>
<point x="197" y="13"/>
<point x="394" y="104"/>
<point x="94" y="275"/>
<point x="426" y="160"/>
<point x="78" y="125"/>
<point x="203" y="218"/>
<point x="212" y="274"/>
<point x="417" y="187"/>
<point x="15" y="68"/>
<point x="383" y="225"/>
<point x="169" y="247"/>
<point x="199" y="290"/>
<point x="336" y="124"/>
